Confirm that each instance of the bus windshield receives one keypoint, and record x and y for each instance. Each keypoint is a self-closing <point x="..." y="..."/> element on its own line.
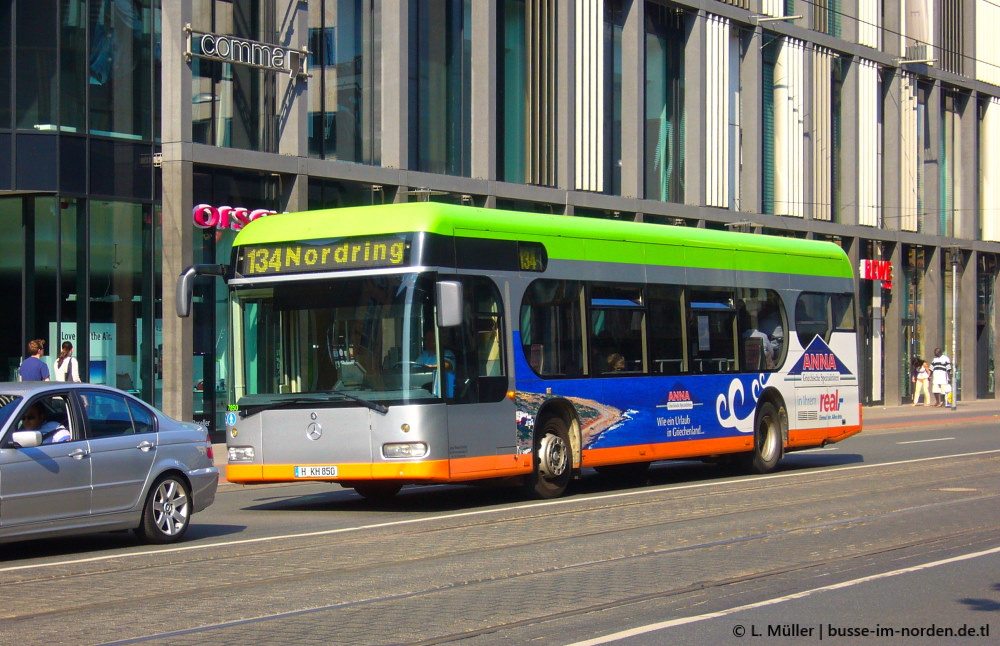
<point x="370" y="337"/>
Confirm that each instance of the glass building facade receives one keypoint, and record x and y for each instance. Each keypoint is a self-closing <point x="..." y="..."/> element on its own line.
<point x="119" y="121"/>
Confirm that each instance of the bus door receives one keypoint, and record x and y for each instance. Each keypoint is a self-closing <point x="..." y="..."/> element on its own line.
<point x="481" y="418"/>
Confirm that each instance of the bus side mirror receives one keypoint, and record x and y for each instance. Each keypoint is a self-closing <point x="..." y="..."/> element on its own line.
<point x="185" y="285"/>
<point x="449" y="303"/>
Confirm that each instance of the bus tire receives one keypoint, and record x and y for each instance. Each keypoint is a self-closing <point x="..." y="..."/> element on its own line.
<point x="767" y="442"/>
<point x="552" y="460"/>
<point x="377" y="491"/>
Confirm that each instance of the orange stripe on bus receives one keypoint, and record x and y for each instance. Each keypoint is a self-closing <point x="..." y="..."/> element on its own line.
<point x="666" y="451"/>
<point x="499" y="466"/>
<point x="804" y="437"/>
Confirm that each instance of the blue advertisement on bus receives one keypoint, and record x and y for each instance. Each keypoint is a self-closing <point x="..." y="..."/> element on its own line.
<point x="648" y="409"/>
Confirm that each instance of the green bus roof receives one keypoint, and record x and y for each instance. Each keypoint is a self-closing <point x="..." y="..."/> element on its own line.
<point x="565" y="238"/>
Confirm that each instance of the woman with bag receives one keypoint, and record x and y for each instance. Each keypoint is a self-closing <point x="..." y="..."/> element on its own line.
<point x="921" y="378"/>
<point x="67" y="368"/>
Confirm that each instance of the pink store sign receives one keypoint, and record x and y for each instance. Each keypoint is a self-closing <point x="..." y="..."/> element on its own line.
<point x="207" y="216"/>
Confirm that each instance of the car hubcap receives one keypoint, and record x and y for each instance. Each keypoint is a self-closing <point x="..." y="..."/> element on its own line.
<point x="170" y="508"/>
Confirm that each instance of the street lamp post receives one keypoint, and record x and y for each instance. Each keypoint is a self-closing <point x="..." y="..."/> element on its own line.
<point x="955" y="251"/>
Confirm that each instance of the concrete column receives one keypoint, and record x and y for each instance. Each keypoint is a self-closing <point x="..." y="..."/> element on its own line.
<point x="484" y="92"/>
<point x="565" y="159"/>
<point x="995" y="331"/>
<point x="848" y="21"/>
<point x="932" y="165"/>
<point x="395" y="83"/>
<point x="892" y="26"/>
<point x="293" y="106"/>
<point x="751" y="126"/>
<point x="967" y="313"/>
<point x="892" y="153"/>
<point x="633" y="98"/>
<point x="892" y="339"/>
<point x="848" y="214"/>
<point x="695" y="99"/>
<point x="966" y="209"/>
<point x="934" y="319"/>
<point x="177" y="200"/>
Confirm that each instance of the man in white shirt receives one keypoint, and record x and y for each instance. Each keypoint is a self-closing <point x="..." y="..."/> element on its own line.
<point x="52" y="431"/>
<point x="941" y="377"/>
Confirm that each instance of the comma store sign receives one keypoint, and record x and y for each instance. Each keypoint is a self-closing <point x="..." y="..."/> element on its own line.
<point x="243" y="51"/>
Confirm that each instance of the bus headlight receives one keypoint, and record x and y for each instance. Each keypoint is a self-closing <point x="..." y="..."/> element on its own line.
<point x="241" y="454"/>
<point x="404" y="450"/>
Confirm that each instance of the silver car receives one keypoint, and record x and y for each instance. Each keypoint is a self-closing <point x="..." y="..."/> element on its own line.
<point x="78" y="457"/>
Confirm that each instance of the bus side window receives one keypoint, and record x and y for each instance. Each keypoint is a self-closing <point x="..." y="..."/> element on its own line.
<point x="812" y="317"/>
<point x="712" y="334"/>
<point x="666" y="329"/>
<point x="552" y="331"/>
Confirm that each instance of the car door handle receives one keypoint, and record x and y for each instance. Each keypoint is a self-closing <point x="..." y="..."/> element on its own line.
<point x="146" y="446"/>
<point x="79" y="454"/>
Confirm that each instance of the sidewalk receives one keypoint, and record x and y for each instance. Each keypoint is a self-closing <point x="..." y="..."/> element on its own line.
<point x="873" y="417"/>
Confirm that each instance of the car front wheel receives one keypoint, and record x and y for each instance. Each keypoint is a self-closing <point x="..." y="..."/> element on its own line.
<point x="167" y="513"/>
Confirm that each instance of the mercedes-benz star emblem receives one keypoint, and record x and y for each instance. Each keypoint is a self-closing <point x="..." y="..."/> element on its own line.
<point x="314" y="431"/>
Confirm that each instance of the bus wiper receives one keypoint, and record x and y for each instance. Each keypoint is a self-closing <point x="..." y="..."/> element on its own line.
<point x="378" y="408"/>
<point x="253" y="410"/>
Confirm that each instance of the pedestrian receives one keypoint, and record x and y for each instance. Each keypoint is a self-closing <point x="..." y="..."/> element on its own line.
<point x="941" y="377"/>
<point x="920" y="376"/>
<point x="33" y="368"/>
<point x="67" y="369"/>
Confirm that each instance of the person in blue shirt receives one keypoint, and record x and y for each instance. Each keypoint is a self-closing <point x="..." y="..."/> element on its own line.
<point x="429" y="358"/>
<point x="33" y="368"/>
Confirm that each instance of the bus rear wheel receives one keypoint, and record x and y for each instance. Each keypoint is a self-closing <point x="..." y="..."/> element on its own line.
<point x="767" y="444"/>
<point x="552" y="460"/>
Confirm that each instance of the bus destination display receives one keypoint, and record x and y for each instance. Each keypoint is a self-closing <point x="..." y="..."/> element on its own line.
<point x="300" y="257"/>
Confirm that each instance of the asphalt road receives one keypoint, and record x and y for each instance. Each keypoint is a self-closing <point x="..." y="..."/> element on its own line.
<point x="896" y="528"/>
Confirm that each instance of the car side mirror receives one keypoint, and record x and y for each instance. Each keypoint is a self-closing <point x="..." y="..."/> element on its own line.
<point x="449" y="303"/>
<point x="26" y="439"/>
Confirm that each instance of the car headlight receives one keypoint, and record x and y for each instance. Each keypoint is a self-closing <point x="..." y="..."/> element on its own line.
<point x="241" y="454"/>
<point x="404" y="450"/>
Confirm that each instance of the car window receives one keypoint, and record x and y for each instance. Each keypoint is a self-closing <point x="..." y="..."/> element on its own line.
<point x="142" y="418"/>
<point x="7" y="405"/>
<point x="49" y="415"/>
<point x="107" y="414"/>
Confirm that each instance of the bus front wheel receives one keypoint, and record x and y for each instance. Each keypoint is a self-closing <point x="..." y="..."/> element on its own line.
<point x="767" y="444"/>
<point x="552" y="460"/>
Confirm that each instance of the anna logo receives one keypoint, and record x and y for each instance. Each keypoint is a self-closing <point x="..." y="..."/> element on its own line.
<point x="819" y="363"/>
<point x="678" y="398"/>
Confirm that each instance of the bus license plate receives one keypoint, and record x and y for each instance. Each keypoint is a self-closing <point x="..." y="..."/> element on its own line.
<point x="316" y="472"/>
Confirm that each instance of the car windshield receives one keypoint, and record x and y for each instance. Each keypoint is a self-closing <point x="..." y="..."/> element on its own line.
<point x="7" y="405"/>
<point x="333" y="340"/>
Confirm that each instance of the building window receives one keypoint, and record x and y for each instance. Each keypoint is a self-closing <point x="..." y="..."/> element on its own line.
<point x="233" y="106"/>
<point x="664" y="138"/>
<point x="345" y="88"/>
<point x="526" y="72"/>
<point x="614" y="22"/>
<point x="440" y="86"/>
<point x="121" y="68"/>
<point x="512" y="111"/>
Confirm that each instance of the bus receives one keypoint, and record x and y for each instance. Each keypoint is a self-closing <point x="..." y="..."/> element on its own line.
<point x="422" y="343"/>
